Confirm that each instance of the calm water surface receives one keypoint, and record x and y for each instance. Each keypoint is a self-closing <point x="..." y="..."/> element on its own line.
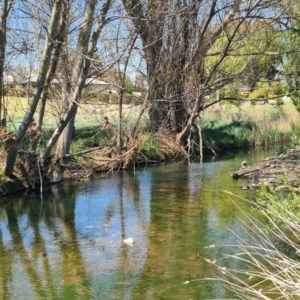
<point x="68" y="245"/>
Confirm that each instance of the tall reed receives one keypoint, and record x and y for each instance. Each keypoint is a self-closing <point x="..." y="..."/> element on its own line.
<point x="249" y="126"/>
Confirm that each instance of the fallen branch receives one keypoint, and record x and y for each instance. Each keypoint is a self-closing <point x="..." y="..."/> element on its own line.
<point x="82" y="152"/>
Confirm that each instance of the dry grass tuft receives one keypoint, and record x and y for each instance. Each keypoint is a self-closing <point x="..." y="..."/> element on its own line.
<point x="265" y="271"/>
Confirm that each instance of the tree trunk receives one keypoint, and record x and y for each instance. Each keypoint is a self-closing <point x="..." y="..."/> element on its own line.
<point x="86" y="47"/>
<point x="61" y="38"/>
<point x="3" y="17"/>
<point x="177" y="36"/>
<point x="42" y="73"/>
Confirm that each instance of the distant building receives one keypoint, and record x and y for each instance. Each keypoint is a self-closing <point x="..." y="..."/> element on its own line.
<point x="27" y="81"/>
<point x="137" y="94"/>
<point x="8" y="79"/>
<point x="96" y="85"/>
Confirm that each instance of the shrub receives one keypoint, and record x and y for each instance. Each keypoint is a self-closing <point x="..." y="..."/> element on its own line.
<point x="14" y="92"/>
<point x="95" y="97"/>
<point x="282" y="199"/>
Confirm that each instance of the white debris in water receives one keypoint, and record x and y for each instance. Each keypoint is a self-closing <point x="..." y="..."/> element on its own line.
<point x="128" y="241"/>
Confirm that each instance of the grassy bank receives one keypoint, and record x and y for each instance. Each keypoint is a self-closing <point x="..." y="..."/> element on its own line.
<point x="225" y="127"/>
<point x="247" y="126"/>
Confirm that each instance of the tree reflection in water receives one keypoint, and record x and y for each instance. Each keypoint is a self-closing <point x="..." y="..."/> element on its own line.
<point x="70" y="244"/>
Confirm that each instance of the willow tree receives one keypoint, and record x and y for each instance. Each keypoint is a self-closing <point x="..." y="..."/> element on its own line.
<point x="253" y="56"/>
<point x="177" y="36"/>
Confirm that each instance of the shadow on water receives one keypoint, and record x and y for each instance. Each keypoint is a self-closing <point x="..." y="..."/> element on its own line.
<point x="69" y="245"/>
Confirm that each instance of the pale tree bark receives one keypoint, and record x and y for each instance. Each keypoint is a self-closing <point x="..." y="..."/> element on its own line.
<point x="64" y="141"/>
<point x="86" y="47"/>
<point x="122" y="78"/>
<point x="42" y="73"/>
<point x="4" y="10"/>
<point x="61" y="40"/>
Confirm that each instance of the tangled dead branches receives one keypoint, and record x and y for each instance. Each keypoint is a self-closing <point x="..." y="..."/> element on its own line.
<point x="75" y="171"/>
<point x="28" y="169"/>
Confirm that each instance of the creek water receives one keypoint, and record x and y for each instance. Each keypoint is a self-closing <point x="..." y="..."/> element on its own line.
<point x="69" y="244"/>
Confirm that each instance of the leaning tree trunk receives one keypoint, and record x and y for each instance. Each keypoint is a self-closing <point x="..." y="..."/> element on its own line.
<point x="86" y="48"/>
<point x="60" y="38"/>
<point x="42" y="73"/>
<point x="64" y="141"/>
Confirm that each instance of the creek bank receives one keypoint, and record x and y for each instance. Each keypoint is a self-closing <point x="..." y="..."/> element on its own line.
<point x="12" y="185"/>
<point x="274" y="170"/>
<point x="269" y="171"/>
<point x="97" y="160"/>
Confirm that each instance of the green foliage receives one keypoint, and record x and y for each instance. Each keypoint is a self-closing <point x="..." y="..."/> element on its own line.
<point x="296" y="100"/>
<point x="295" y="137"/>
<point x="267" y="89"/>
<point x="261" y="90"/>
<point x="101" y="97"/>
<point x="88" y="137"/>
<point x="128" y="86"/>
<point x="251" y="37"/>
<point x="292" y="59"/>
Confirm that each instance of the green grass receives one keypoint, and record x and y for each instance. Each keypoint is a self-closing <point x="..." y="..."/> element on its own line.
<point x="230" y="127"/>
<point x="89" y="137"/>
<point x="88" y="122"/>
<point x="149" y="147"/>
